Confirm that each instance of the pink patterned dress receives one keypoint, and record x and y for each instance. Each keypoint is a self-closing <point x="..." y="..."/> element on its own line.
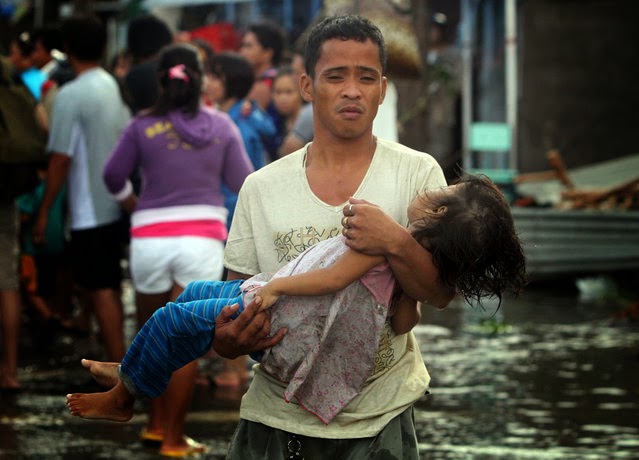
<point x="332" y="340"/>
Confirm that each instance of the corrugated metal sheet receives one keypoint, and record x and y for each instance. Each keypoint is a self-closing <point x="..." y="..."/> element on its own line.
<point x="600" y="175"/>
<point x="567" y="241"/>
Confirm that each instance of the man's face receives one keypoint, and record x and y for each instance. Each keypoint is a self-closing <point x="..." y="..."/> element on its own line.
<point x="253" y="51"/>
<point x="347" y="88"/>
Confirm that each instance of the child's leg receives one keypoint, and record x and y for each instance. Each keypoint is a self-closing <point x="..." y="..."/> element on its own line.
<point x="204" y="290"/>
<point x="175" y="335"/>
<point x="115" y="404"/>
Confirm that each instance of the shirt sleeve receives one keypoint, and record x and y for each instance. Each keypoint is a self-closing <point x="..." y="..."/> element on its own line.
<point x="64" y="123"/>
<point x="240" y="254"/>
<point x="381" y="283"/>
<point x="122" y="162"/>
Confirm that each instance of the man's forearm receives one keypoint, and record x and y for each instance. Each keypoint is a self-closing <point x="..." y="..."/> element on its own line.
<point x="413" y="268"/>
<point x="56" y="177"/>
<point x="371" y="231"/>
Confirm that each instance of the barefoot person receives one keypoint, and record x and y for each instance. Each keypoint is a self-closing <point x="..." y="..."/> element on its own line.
<point x="468" y="229"/>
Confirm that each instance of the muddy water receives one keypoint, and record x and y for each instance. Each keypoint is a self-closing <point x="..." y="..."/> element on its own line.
<point x="549" y="376"/>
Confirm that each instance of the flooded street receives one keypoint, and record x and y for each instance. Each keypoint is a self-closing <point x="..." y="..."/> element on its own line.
<point x="551" y="375"/>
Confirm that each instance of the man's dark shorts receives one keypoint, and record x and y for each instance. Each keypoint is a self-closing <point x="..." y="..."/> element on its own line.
<point x="95" y="256"/>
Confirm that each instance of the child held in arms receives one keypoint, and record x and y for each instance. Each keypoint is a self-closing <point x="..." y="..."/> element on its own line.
<point x="334" y="302"/>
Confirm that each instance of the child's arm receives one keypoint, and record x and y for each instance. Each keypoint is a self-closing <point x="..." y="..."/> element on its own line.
<point x="348" y="268"/>
<point x="407" y="315"/>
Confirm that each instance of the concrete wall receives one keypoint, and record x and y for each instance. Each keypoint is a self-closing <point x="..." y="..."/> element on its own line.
<point x="579" y="80"/>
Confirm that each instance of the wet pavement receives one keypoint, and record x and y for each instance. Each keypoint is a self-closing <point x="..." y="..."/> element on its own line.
<point x="551" y="375"/>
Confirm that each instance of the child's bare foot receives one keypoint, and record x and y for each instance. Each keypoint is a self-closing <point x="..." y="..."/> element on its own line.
<point x="106" y="374"/>
<point x="115" y="404"/>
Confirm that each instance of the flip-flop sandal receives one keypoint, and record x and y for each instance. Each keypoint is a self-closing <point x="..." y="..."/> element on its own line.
<point x="192" y="448"/>
<point x="150" y="438"/>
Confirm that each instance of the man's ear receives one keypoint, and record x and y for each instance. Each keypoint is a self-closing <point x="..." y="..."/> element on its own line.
<point x="306" y="87"/>
<point x="383" y="94"/>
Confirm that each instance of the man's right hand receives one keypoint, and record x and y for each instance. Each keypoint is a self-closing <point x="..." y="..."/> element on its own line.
<point x="245" y="334"/>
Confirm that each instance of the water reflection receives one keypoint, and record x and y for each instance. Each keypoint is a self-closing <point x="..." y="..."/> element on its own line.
<point x="548" y="376"/>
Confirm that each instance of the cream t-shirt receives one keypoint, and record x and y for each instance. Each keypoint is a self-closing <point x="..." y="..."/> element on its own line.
<point x="277" y="217"/>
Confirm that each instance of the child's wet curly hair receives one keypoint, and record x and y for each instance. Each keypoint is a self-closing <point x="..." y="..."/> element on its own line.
<point x="471" y="236"/>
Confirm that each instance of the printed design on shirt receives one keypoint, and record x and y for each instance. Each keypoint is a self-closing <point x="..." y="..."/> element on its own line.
<point x="166" y="128"/>
<point x="385" y="358"/>
<point x="291" y="244"/>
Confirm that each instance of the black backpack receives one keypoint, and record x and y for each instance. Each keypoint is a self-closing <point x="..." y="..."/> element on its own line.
<point x="22" y="140"/>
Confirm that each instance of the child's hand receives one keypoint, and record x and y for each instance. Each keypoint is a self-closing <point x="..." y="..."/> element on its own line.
<point x="268" y="296"/>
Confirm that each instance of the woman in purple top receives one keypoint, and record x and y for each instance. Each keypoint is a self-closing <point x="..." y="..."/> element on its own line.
<point x="184" y="152"/>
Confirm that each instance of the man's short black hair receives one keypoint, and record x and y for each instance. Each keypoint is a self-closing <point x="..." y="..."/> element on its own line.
<point x="84" y="37"/>
<point x="270" y="36"/>
<point x="348" y="27"/>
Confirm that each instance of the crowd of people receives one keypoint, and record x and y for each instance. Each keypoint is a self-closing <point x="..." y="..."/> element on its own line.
<point x="191" y="159"/>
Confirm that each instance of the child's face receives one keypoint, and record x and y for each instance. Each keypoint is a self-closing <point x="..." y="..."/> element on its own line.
<point x="286" y="95"/>
<point x="215" y="89"/>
